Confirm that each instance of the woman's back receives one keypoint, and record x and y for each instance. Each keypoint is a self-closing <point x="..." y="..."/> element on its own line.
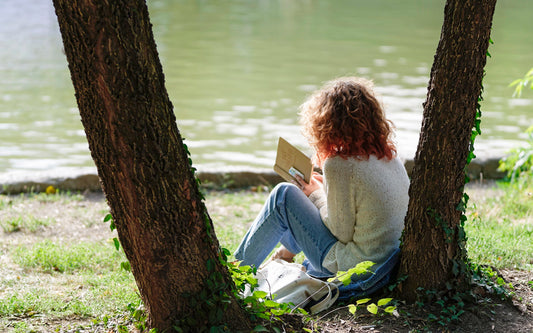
<point x="366" y="206"/>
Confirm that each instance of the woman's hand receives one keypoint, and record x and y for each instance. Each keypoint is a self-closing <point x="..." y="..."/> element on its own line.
<point x="314" y="184"/>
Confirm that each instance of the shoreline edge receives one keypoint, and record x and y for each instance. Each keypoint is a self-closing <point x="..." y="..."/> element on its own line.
<point x="86" y="179"/>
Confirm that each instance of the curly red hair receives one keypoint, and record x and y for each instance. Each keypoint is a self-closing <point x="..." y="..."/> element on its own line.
<point x="345" y="119"/>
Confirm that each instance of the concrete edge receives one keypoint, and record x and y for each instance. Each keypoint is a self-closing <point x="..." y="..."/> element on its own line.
<point x="86" y="179"/>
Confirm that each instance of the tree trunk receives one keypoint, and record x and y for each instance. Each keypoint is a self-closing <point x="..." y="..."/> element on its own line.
<point x="433" y="252"/>
<point x="162" y="222"/>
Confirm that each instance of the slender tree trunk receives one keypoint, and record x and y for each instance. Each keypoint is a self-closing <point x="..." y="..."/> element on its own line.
<point x="433" y="252"/>
<point x="159" y="214"/>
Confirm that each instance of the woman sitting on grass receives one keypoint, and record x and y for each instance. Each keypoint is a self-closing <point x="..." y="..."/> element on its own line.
<point x="355" y="211"/>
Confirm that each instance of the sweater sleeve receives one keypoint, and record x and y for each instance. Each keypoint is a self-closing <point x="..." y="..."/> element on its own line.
<point x="341" y="203"/>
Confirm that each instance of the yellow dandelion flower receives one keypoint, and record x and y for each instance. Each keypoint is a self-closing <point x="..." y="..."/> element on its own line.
<point x="50" y="190"/>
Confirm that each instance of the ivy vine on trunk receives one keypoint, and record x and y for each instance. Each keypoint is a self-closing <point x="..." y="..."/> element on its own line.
<point x="157" y="208"/>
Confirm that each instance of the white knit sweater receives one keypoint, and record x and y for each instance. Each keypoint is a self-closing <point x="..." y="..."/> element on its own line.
<point x="363" y="203"/>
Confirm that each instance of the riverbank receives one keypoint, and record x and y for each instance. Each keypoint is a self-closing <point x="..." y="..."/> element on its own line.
<point x="60" y="271"/>
<point x="86" y="179"/>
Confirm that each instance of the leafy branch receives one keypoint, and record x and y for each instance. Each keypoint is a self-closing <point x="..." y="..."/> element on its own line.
<point x="522" y="83"/>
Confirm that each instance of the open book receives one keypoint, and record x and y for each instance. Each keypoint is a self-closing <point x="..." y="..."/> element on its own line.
<point x="290" y="161"/>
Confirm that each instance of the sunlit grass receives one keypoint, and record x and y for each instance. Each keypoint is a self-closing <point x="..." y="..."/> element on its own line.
<point x="48" y="256"/>
<point x="65" y="278"/>
<point x="25" y="223"/>
<point x="500" y="228"/>
<point x="232" y="213"/>
<point x="84" y="295"/>
<point x="61" y="280"/>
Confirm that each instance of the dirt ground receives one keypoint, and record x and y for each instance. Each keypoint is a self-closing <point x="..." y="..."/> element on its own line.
<point x="494" y="315"/>
<point x="510" y="316"/>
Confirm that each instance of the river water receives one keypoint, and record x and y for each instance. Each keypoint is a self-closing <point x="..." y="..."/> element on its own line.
<point x="236" y="72"/>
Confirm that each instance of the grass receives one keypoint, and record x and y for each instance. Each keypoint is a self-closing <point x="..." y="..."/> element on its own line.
<point x="500" y="228"/>
<point x="27" y="223"/>
<point x="47" y="256"/>
<point x="232" y="212"/>
<point x="74" y="279"/>
<point x="58" y="261"/>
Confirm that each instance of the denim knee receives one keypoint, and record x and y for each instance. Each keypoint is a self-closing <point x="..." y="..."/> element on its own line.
<point x="283" y="187"/>
<point x="279" y="193"/>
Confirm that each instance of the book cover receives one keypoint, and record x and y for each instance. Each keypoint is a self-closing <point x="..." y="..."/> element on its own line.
<point x="290" y="161"/>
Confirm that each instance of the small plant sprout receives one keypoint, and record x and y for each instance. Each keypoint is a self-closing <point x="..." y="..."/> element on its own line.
<point x="346" y="276"/>
<point x="373" y="308"/>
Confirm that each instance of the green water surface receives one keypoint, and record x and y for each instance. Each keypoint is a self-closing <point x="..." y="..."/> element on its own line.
<point x="236" y="72"/>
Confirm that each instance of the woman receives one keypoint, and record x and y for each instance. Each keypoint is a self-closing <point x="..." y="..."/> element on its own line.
<point x="354" y="212"/>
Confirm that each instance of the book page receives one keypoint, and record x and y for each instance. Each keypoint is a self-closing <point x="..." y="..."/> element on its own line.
<point x="290" y="159"/>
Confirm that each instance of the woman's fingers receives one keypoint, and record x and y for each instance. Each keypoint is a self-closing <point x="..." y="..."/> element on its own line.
<point x="318" y="177"/>
<point x="298" y="181"/>
<point x="307" y="188"/>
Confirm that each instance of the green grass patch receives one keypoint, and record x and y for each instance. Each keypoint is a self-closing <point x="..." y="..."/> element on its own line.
<point x="232" y="213"/>
<point x="25" y="223"/>
<point x="500" y="228"/>
<point x="56" y="257"/>
<point x="20" y="213"/>
<point x="67" y="280"/>
<point x="73" y="279"/>
<point x="517" y="201"/>
<point x="92" y="296"/>
<point x="5" y="202"/>
<point x="58" y="196"/>
<point x="500" y="243"/>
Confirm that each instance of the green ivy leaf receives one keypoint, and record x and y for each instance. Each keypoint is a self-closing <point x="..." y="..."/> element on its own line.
<point x="270" y="303"/>
<point x="352" y="308"/>
<point x="210" y="265"/>
<point x="300" y="310"/>
<point x="260" y="328"/>
<point x="262" y="315"/>
<point x="384" y="301"/>
<point x="260" y="294"/>
<point x="372" y="308"/>
<point x="346" y="276"/>
<point x="390" y="309"/>
<point x="125" y="265"/>
<point x="117" y="243"/>
<point x="251" y="280"/>
<point x="278" y="312"/>
<point x="362" y="267"/>
<point x="109" y="218"/>
<point x="345" y="279"/>
<point x="363" y="301"/>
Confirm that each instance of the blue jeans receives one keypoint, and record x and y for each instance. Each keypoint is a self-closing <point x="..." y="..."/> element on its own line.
<point x="290" y="218"/>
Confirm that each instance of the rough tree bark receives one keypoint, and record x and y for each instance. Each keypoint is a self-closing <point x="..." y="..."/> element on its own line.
<point x="158" y="211"/>
<point x="433" y="241"/>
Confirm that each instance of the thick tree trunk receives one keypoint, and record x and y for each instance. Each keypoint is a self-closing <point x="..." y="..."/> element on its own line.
<point x="159" y="214"/>
<point x="433" y="250"/>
